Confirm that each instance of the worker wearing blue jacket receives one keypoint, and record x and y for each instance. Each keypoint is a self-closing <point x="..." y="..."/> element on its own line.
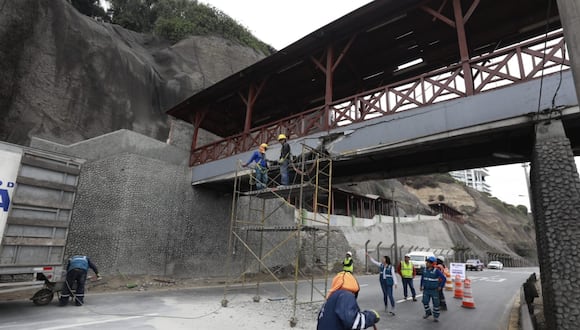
<point x="261" y="169"/>
<point x="77" y="269"/>
<point x="341" y="310"/>
<point x="432" y="281"/>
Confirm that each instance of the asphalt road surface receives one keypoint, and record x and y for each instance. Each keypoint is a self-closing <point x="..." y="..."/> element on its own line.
<point x="493" y="293"/>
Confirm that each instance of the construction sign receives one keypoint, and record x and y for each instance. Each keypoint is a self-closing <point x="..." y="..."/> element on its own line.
<point x="457" y="268"/>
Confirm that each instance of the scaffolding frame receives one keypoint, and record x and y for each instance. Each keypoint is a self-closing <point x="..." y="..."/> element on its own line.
<point x="314" y="172"/>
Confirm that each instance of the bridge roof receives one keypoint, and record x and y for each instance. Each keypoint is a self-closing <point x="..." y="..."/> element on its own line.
<point x="382" y="35"/>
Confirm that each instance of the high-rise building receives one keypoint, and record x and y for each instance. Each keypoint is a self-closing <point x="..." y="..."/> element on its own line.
<point x="474" y="178"/>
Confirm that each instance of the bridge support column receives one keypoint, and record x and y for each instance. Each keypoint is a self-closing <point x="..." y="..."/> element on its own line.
<point x="556" y="207"/>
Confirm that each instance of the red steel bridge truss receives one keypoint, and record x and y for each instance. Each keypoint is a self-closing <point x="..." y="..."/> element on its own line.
<point x="503" y="67"/>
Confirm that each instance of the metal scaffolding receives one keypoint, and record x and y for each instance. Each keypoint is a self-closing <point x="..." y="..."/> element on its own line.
<point x="259" y="237"/>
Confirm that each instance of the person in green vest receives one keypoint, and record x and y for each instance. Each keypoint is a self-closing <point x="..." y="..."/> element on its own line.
<point x="407" y="272"/>
<point x="348" y="263"/>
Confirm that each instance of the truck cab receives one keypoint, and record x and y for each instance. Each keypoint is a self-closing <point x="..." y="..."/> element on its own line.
<point x="418" y="259"/>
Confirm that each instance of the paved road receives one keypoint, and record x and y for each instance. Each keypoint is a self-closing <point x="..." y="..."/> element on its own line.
<point x="493" y="293"/>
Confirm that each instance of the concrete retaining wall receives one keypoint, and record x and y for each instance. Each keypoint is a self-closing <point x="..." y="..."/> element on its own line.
<point x="137" y="213"/>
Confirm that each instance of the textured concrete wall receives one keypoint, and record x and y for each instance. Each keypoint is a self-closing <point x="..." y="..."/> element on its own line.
<point x="138" y="215"/>
<point x="556" y="207"/>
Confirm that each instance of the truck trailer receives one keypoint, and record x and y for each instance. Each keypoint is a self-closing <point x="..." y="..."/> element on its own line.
<point x="37" y="196"/>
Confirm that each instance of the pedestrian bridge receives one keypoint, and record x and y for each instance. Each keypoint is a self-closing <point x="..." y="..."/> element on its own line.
<point x="487" y="129"/>
<point x="392" y="89"/>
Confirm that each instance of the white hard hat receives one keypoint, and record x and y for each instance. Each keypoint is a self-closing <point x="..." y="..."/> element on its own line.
<point x="349" y="253"/>
<point x="442" y="258"/>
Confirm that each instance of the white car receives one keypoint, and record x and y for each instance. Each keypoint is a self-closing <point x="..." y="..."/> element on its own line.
<point x="495" y="265"/>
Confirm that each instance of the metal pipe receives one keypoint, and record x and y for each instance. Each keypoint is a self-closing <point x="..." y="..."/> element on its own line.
<point x="366" y="253"/>
<point x="395" y="212"/>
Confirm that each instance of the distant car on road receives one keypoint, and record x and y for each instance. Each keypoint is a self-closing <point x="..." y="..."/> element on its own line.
<point x="495" y="265"/>
<point x="474" y="264"/>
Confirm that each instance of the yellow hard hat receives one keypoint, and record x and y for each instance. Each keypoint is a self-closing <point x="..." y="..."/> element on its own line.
<point x="281" y="137"/>
<point x="264" y="145"/>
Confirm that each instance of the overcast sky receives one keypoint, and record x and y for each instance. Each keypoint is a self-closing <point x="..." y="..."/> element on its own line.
<point x="280" y="23"/>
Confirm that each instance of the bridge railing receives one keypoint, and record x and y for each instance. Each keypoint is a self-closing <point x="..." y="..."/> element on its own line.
<point x="503" y="67"/>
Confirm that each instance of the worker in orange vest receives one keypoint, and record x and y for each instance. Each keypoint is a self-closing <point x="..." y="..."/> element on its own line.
<point x="441" y="266"/>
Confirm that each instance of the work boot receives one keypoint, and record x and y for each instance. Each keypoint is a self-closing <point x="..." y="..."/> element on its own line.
<point x="79" y="301"/>
<point x="63" y="301"/>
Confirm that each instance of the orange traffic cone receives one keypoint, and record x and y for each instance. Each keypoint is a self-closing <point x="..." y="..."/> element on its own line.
<point x="458" y="288"/>
<point x="467" y="296"/>
<point x="448" y="282"/>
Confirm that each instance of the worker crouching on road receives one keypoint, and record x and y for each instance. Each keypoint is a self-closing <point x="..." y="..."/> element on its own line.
<point x="261" y="170"/>
<point x="77" y="269"/>
<point x="341" y="311"/>
<point x="432" y="281"/>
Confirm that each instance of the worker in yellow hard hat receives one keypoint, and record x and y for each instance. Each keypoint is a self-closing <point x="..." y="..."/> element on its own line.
<point x="284" y="161"/>
<point x="341" y="311"/>
<point x="261" y="169"/>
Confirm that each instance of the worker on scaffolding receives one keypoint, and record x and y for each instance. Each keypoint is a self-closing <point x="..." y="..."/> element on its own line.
<point x="341" y="310"/>
<point x="261" y="169"/>
<point x="284" y="161"/>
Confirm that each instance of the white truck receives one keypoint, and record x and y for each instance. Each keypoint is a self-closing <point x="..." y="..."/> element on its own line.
<point x="418" y="259"/>
<point x="37" y="194"/>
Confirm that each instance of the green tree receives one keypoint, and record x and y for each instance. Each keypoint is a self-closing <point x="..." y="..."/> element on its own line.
<point x="91" y="8"/>
<point x="135" y="15"/>
<point x="177" y="19"/>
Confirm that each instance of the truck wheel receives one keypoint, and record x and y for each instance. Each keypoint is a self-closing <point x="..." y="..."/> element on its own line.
<point x="42" y="297"/>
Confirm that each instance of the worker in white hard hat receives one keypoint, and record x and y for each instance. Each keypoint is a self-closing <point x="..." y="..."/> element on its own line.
<point x="348" y="263"/>
<point x="261" y="169"/>
<point x="284" y="161"/>
<point x="407" y="271"/>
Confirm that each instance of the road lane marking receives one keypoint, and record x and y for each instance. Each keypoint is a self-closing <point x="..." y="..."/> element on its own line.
<point x="493" y="279"/>
<point x="410" y="299"/>
<point x="97" y="322"/>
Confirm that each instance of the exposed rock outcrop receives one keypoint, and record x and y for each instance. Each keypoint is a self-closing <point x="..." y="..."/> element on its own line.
<point x="66" y="77"/>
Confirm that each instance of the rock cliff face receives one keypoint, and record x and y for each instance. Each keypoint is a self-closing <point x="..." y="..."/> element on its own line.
<point x="66" y="77"/>
<point x="491" y="226"/>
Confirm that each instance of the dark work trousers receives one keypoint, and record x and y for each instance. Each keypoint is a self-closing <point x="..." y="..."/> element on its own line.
<point x="431" y="294"/>
<point x="78" y="276"/>
<point x="442" y="302"/>
<point x="408" y="282"/>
